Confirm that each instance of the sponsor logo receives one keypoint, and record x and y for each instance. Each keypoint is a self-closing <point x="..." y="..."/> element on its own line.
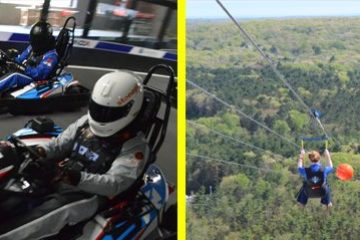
<point x="84" y="151"/>
<point x="132" y="92"/>
<point x="83" y="43"/>
<point x="315" y="180"/>
<point x="92" y="156"/>
<point x="147" y="52"/>
<point x="49" y="62"/>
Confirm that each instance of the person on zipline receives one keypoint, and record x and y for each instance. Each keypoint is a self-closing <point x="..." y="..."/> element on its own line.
<point x="315" y="178"/>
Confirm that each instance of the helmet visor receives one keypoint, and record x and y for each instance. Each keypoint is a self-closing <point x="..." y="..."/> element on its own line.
<point x="37" y="43"/>
<point x="105" y="114"/>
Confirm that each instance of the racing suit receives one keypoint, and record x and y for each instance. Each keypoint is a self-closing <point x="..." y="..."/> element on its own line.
<point x="36" y="68"/>
<point x="107" y="170"/>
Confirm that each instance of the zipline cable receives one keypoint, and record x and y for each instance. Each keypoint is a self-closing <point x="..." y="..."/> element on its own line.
<point x="272" y="65"/>
<point x="229" y="162"/>
<point x="241" y="113"/>
<point x="232" y="138"/>
<point x="225" y="136"/>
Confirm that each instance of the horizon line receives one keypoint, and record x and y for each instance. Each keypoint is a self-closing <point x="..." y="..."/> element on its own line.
<point x="276" y="17"/>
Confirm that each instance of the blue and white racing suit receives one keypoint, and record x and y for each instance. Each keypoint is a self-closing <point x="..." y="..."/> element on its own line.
<point x="43" y="67"/>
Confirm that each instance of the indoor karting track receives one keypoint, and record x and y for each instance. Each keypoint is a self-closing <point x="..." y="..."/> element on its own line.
<point x="88" y="76"/>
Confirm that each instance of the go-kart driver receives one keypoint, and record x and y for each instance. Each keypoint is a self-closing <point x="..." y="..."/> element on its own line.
<point x="36" y="62"/>
<point x="104" y="156"/>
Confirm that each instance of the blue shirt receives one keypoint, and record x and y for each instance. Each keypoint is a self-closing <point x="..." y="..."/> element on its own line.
<point x="42" y="71"/>
<point x="315" y="167"/>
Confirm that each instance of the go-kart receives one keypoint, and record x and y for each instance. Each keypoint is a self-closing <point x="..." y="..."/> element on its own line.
<point x="59" y="92"/>
<point x="147" y="210"/>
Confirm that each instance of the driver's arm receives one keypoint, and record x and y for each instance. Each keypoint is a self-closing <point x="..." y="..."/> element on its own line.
<point x="45" y="67"/>
<point x="59" y="148"/>
<point x="24" y="55"/>
<point x="124" y="171"/>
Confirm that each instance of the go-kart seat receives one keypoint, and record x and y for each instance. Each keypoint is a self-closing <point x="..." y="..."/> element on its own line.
<point x="148" y="112"/>
<point x="63" y="46"/>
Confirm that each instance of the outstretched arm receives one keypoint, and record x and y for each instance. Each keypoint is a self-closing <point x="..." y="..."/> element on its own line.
<point x="24" y="55"/>
<point x="301" y="159"/>
<point x="328" y="158"/>
<point x="301" y="168"/>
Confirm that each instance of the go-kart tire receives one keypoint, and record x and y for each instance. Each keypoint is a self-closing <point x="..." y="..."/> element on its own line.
<point x="4" y="107"/>
<point x="73" y="91"/>
<point x="21" y="107"/>
<point x="169" y="220"/>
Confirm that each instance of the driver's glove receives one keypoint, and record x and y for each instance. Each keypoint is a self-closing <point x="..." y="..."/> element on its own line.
<point x="16" y="67"/>
<point x="71" y="177"/>
<point x="41" y="151"/>
<point x="40" y="169"/>
<point x="69" y="172"/>
<point x="2" y="59"/>
<point x="6" y="144"/>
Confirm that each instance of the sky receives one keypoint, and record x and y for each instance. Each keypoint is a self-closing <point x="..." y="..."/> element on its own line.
<point x="272" y="8"/>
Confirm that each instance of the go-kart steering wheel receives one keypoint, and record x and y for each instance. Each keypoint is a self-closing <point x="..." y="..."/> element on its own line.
<point x="20" y="145"/>
<point x="38" y="186"/>
<point x="3" y="57"/>
<point x="6" y="61"/>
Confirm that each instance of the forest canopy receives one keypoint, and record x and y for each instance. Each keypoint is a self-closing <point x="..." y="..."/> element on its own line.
<point x="242" y="192"/>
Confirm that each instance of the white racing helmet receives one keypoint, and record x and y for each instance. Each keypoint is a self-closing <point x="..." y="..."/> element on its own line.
<point x="115" y="102"/>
